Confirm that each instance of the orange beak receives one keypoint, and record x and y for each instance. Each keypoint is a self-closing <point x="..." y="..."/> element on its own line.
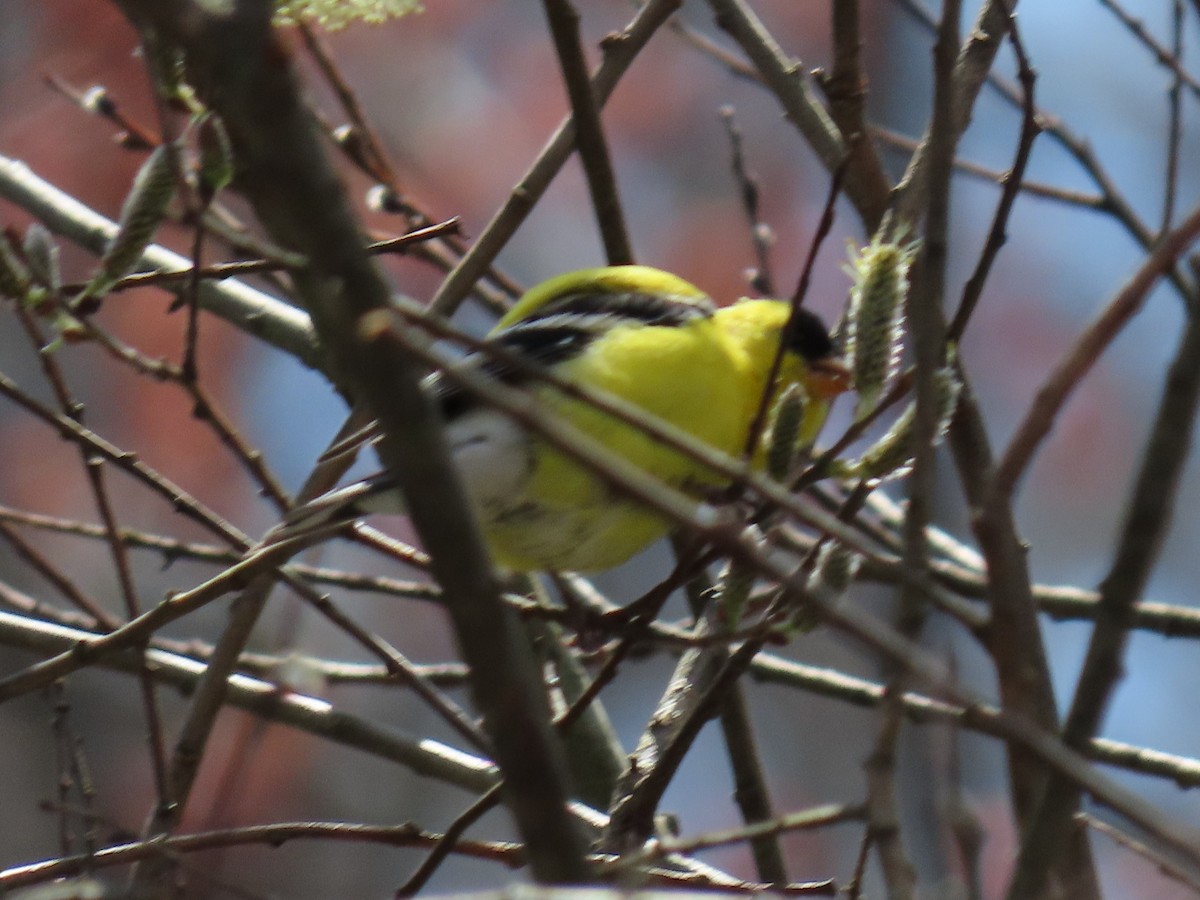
<point x="828" y="377"/>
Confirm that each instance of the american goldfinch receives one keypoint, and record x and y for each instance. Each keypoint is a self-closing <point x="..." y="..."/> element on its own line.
<point x="645" y="336"/>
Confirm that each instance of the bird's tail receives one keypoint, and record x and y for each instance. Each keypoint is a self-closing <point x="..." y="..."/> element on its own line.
<point x="376" y="494"/>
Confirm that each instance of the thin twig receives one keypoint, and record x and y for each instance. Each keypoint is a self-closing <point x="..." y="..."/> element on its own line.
<point x="1114" y="202"/>
<point x="1172" y="61"/>
<point x="966" y="828"/>
<point x="1147" y="521"/>
<point x="690" y="701"/>
<point x="589" y="132"/>
<point x="173" y="549"/>
<point x="273" y="702"/>
<point x="220" y="271"/>
<point x="75" y="771"/>
<point x="1094" y="202"/>
<point x="750" y="789"/>
<point x="1094" y="340"/>
<point x="1162" y="863"/>
<point x="273" y="321"/>
<point x="180" y="500"/>
<point x="25" y="551"/>
<point x="448" y="842"/>
<point x="619" y="53"/>
<point x="803" y="820"/>
<point x="376" y="164"/>
<point x="203" y="407"/>
<point x="131" y="134"/>
<point x="854" y="887"/>
<point x="928" y="332"/>
<point x="845" y="87"/>
<point x="971" y="70"/>
<point x="93" y="471"/>
<point x="1014" y="636"/>
<point x="866" y="188"/>
<point x="1175" y="120"/>
<point x="761" y="237"/>
<point x="272" y="835"/>
<point x="1181" y="770"/>
<point x="1011" y="182"/>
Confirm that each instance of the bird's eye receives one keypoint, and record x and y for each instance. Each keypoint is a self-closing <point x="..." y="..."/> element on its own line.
<point x="809" y="337"/>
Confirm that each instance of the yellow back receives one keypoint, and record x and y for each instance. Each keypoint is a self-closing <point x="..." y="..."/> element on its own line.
<point x="603" y="280"/>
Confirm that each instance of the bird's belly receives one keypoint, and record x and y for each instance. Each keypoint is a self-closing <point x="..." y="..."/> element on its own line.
<point x="495" y="459"/>
<point x="537" y="535"/>
<point x="539" y="509"/>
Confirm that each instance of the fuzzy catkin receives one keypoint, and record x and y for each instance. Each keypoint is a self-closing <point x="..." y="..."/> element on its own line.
<point x="783" y="438"/>
<point x="215" y="169"/>
<point x="836" y="567"/>
<point x="875" y="326"/>
<point x="733" y="591"/>
<point x="333" y="15"/>
<point x="891" y="455"/>
<point x="42" y="255"/>
<point x="143" y="211"/>
<point x="14" y="276"/>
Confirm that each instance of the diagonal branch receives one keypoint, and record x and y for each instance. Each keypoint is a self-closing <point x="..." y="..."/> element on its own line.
<point x="1050" y="399"/>
<point x="970" y="72"/>
<point x="256" y="313"/>
<point x="1147" y="521"/>
<point x="241" y="69"/>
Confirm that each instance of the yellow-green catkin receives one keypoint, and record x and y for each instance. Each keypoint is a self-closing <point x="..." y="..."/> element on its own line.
<point x="37" y="281"/>
<point x="784" y="432"/>
<point x="336" y="14"/>
<point x="67" y="330"/>
<point x="835" y="570"/>
<point x="832" y="575"/>
<point x="169" y="71"/>
<point x="143" y="211"/>
<point x="214" y="171"/>
<point x="14" y="275"/>
<point x="875" y="324"/>
<point x="733" y="592"/>
<point x="41" y="255"/>
<point x="891" y="456"/>
<point x="837" y="565"/>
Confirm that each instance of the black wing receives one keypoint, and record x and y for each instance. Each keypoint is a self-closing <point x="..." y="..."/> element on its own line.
<point x="560" y="330"/>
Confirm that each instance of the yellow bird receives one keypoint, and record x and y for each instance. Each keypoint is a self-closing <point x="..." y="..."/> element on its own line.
<point x="646" y="337"/>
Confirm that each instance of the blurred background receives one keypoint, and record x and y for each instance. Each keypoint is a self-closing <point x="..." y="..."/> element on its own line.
<point x="464" y="96"/>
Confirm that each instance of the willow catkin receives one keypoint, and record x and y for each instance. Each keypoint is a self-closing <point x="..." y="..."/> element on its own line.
<point x="144" y="210"/>
<point x="875" y="325"/>
<point x="892" y="455"/>
<point x="14" y="274"/>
